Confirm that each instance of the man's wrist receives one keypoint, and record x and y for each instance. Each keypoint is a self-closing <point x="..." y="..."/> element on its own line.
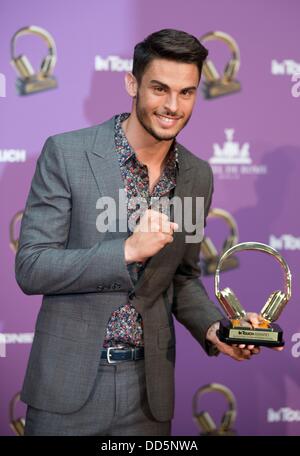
<point x="211" y="334"/>
<point x="211" y="339"/>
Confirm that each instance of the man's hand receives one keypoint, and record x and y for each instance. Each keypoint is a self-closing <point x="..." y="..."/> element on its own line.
<point x="152" y="233"/>
<point x="255" y="319"/>
<point x="239" y="352"/>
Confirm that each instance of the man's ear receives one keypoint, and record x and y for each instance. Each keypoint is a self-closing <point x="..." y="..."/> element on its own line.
<point x="131" y="84"/>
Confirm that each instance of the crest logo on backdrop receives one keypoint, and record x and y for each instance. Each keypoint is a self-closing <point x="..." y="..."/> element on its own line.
<point x="232" y="159"/>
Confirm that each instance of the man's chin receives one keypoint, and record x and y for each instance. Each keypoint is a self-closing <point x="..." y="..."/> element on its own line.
<point x="158" y="133"/>
<point x="163" y="136"/>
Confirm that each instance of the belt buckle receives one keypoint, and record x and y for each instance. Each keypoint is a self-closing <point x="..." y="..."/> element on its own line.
<point x="108" y="354"/>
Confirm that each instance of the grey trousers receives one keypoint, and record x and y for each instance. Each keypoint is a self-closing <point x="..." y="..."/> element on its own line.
<point x="117" y="406"/>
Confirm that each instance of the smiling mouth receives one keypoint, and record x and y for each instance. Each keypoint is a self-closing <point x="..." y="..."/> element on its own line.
<point x="166" y="120"/>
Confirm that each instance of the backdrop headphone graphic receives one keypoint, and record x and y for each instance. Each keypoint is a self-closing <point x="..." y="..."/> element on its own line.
<point x="209" y="255"/>
<point x="204" y="420"/>
<point x="30" y="81"/>
<point x="215" y="84"/>
<point x="17" y="424"/>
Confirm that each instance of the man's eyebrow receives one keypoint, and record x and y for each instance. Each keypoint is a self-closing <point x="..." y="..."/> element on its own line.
<point x="189" y="88"/>
<point x="155" y="81"/>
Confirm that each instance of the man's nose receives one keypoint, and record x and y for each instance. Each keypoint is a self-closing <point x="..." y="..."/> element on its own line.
<point x="171" y="103"/>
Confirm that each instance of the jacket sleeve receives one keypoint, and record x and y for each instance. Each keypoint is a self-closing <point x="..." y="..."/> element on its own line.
<point x="43" y="264"/>
<point x="191" y="305"/>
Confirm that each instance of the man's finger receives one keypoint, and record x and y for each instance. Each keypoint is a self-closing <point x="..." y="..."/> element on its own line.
<point x="168" y="238"/>
<point x="234" y="352"/>
<point x="253" y="318"/>
<point x="174" y="225"/>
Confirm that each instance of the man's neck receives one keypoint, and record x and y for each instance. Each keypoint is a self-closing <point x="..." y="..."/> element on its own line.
<point x="149" y="151"/>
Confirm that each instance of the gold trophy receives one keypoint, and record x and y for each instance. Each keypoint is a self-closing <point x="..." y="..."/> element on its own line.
<point x="235" y="329"/>
<point x="13" y="240"/>
<point x="209" y="253"/>
<point x="30" y="81"/>
<point x="215" y="84"/>
<point x="204" y="420"/>
<point x="17" y="425"/>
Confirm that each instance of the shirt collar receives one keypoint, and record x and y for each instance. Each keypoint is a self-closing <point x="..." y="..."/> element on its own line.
<point x="125" y="150"/>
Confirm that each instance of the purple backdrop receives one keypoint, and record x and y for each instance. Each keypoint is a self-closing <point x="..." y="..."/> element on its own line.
<point x="261" y="197"/>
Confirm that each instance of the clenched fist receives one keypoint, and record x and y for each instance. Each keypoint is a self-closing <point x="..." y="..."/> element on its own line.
<point x="152" y="233"/>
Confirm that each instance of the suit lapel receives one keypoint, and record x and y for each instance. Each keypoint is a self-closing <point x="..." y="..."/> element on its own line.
<point x="105" y="167"/>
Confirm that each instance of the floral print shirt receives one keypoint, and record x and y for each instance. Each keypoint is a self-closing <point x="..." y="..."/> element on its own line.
<point x="125" y="326"/>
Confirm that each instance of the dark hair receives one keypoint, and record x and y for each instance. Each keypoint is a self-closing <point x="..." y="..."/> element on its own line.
<point x="168" y="44"/>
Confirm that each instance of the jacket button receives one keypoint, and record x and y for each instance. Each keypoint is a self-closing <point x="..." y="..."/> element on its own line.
<point x="100" y="287"/>
<point x="115" y="286"/>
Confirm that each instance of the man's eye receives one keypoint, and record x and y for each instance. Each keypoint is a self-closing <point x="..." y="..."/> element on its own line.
<point x="159" y="89"/>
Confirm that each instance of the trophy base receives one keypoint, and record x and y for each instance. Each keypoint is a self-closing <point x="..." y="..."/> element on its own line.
<point x="235" y="333"/>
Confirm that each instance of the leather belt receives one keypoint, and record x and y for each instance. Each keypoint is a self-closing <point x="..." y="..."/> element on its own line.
<point x="115" y="354"/>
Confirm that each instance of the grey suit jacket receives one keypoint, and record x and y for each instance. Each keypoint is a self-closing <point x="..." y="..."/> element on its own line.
<point x="83" y="275"/>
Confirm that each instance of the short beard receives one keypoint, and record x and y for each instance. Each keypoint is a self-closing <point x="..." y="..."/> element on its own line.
<point x="149" y="130"/>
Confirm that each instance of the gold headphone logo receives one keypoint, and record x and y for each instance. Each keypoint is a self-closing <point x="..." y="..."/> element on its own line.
<point x="215" y="84"/>
<point x="236" y="329"/>
<point x="13" y="240"/>
<point x="16" y="424"/>
<point x="30" y="81"/>
<point x="209" y="252"/>
<point x="204" y="420"/>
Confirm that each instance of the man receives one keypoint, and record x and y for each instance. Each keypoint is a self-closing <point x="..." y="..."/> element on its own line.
<point x="103" y="355"/>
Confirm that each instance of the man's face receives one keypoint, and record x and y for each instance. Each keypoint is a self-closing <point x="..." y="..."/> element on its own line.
<point x="166" y="96"/>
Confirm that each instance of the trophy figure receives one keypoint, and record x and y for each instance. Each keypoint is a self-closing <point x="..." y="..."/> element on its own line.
<point x="235" y="329"/>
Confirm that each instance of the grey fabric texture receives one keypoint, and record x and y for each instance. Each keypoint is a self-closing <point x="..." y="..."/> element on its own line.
<point x="117" y="406"/>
